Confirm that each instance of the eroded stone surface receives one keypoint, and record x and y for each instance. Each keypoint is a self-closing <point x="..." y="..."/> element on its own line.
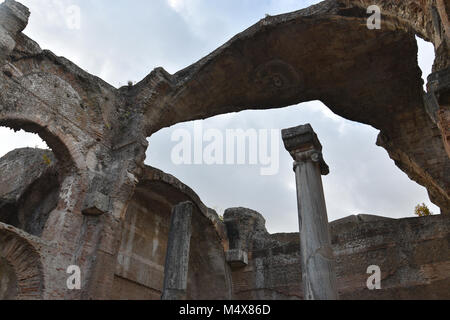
<point x="29" y="189"/>
<point x="98" y="136"/>
<point x="139" y="271"/>
<point x="21" y="259"/>
<point x="8" y="281"/>
<point x="413" y="255"/>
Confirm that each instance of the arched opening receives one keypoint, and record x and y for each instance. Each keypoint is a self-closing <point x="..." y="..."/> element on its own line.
<point x="17" y="140"/>
<point x="32" y="174"/>
<point x="142" y="254"/>
<point x="360" y="168"/>
<point x="21" y="271"/>
<point x="363" y="179"/>
<point x="50" y="139"/>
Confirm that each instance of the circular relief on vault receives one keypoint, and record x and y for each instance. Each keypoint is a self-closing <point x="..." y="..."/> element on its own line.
<point x="277" y="75"/>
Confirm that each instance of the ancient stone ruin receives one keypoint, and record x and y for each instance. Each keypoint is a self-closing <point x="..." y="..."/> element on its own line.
<point x="91" y="202"/>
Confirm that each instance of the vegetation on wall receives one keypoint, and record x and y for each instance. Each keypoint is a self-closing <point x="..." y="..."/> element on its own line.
<point x="422" y="211"/>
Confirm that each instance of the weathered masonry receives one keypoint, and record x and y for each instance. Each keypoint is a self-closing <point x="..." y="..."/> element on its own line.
<point x="96" y="205"/>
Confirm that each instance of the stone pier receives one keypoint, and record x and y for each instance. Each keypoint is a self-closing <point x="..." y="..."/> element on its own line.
<point x="319" y="277"/>
<point x="178" y="248"/>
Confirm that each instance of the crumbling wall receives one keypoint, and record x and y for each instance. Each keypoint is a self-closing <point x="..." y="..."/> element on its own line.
<point x="29" y="189"/>
<point x="98" y="133"/>
<point x="413" y="254"/>
<point x="22" y="273"/>
<point x="8" y="280"/>
<point x="429" y="19"/>
<point x="140" y="267"/>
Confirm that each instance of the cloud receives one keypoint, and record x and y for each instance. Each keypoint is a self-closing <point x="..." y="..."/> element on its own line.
<point x="177" y="5"/>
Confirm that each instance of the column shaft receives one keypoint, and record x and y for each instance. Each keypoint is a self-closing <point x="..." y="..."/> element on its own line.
<point x="177" y="258"/>
<point x="319" y="279"/>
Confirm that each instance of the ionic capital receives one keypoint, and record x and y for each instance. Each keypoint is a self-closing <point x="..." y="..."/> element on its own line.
<point x="304" y="146"/>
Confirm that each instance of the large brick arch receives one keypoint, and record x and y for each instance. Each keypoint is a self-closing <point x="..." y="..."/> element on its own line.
<point x="23" y="256"/>
<point x="327" y="53"/>
<point x="324" y="52"/>
<point x="61" y="144"/>
<point x="71" y="161"/>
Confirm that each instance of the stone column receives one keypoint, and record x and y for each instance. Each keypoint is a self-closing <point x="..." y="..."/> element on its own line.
<point x="319" y="277"/>
<point x="177" y="258"/>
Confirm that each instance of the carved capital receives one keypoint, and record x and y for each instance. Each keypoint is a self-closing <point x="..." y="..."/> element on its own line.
<point x="312" y="156"/>
<point x="304" y="146"/>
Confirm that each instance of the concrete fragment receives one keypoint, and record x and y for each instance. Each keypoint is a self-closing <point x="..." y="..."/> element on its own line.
<point x="237" y="258"/>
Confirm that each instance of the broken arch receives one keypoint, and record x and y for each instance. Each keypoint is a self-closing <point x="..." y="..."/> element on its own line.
<point x="38" y="185"/>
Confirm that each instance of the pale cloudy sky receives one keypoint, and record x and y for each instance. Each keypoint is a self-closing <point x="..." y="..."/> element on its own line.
<point x="124" y="40"/>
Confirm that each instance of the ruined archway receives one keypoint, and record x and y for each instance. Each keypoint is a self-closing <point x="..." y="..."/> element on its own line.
<point x="324" y="53"/>
<point x="38" y="186"/>
<point x="264" y="68"/>
<point x="140" y="268"/>
<point x="23" y="277"/>
<point x="53" y="139"/>
<point x="8" y="280"/>
<point x="363" y="178"/>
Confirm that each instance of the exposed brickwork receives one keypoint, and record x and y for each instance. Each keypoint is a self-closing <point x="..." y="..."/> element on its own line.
<point x="98" y="136"/>
<point x="22" y="252"/>
<point x="413" y="255"/>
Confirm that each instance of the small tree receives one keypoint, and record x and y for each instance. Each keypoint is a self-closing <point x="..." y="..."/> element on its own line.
<point x="422" y="211"/>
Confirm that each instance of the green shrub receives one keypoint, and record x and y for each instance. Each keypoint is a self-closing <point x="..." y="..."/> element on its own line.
<point x="47" y="160"/>
<point x="422" y="211"/>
